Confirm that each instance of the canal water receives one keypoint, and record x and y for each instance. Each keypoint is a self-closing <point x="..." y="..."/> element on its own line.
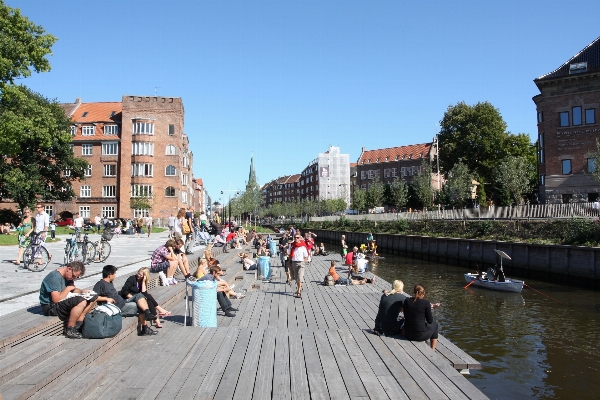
<point x="540" y="343"/>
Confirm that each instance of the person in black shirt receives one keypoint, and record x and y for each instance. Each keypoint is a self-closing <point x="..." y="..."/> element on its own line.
<point x="418" y="320"/>
<point x="107" y="293"/>
<point x="390" y="305"/>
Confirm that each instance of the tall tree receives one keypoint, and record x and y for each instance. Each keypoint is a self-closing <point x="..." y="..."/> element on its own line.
<point x="398" y="193"/>
<point x="514" y="176"/>
<point x="422" y="185"/>
<point x="375" y="194"/>
<point x="35" y="141"/>
<point x="477" y="136"/>
<point x="23" y="45"/>
<point x="459" y="185"/>
<point x="359" y="199"/>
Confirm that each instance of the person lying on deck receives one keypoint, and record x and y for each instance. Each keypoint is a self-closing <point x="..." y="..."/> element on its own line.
<point x="353" y="273"/>
<point x="343" y="281"/>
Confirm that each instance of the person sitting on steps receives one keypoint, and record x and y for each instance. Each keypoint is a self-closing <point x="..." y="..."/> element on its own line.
<point x="224" y="302"/>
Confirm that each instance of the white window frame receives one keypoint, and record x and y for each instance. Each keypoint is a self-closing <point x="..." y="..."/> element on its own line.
<point x="170" y="150"/>
<point x="110" y="149"/>
<point x="142" y="169"/>
<point x="143" y="128"/>
<point x="142" y="149"/>
<point x="393" y="171"/>
<point x="88" y="130"/>
<point x="109" y="191"/>
<point x="111" y="130"/>
<point x="108" y="211"/>
<point x="49" y="210"/>
<point x="386" y="172"/>
<point x="403" y="171"/>
<point x="87" y="149"/>
<point x="167" y="170"/>
<point x="85" y="191"/>
<point x="106" y="168"/>
<point x="141" y="190"/>
<point x="370" y="174"/>
<point x="174" y="192"/>
<point x="73" y="130"/>
<point x="88" y="171"/>
<point x="140" y="213"/>
<point x="84" y="211"/>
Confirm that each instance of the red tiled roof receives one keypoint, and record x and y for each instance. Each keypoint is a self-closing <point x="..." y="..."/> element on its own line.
<point x="352" y="164"/>
<point x="97" y="112"/>
<point x="413" y="151"/>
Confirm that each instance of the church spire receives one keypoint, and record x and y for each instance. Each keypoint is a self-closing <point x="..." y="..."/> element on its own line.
<point x="252" y="176"/>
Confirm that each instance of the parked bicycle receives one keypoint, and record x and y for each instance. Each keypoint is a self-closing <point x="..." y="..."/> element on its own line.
<point x="102" y="247"/>
<point x="36" y="257"/>
<point x="73" y="249"/>
<point x="88" y="249"/>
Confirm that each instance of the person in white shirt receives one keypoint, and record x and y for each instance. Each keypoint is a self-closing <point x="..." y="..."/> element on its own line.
<point x="97" y="221"/>
<point x="148" y="222"/>
<point x="42" y="221"/>
<point x="299" y="255"/>
<point x="78" y="225"/>
<point x="172" y="220"/>
<point x="362" y="262"/>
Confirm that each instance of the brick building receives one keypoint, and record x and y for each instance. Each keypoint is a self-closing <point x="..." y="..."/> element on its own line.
<point x="136" y="148"/>
<point x="404" y="162"/>
<point x="567" y="116"/>
<point x="282" y="189"/>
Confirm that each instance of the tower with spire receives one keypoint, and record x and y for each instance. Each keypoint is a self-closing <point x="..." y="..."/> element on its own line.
<point x="252" y="176"/>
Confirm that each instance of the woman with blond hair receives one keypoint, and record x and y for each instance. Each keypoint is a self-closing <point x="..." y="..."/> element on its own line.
<point x="248" y="263"/>
<point x="138" y="283"/>
<point x="25" y="228"/>
<point x="419" y="324"/>
<point x="390" y="305"/>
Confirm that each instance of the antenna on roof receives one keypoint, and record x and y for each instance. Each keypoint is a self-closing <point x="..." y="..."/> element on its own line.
<point x="156" y="91"/>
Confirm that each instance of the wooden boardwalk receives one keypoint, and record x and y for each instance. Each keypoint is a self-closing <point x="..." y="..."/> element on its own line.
<point x="281" y="347"/>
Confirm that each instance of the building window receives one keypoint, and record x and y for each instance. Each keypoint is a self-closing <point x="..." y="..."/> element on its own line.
<point x="84" y="211"/>
<point x="577" y="116"/>
<point x="540" y="117"/>
<point x="363" y="175"/>
<point x="591" y="165"/>
<point x="141" y="190"/>
<point x="170" y="170"/>
<point x="185" y="162"/>
<point x="377" y="173"/>
<point x="88" y="130"/>
<point x="142" y="149"/>
<point x="171" y="129"/>
<point x="73" y="130"/>
<point x="72" y="148"/>
<point x="85" y="191"/>
<point x="139" y="213"/>
<point x="386" y="173"/>
<point x="108" y="211"/>
<point x="566" y="167"/>
<point x="564" y="118"/>
<point x="111" y="129"/>
<point x="541" y="148"/>
<point x="567" y="198"/>
<point x="590" y="116"/>
<point x="169" y="191"/>
<point x="184" y="196"/>
<point x="142" y="169"/>
<point x="542" y="180"/>
<point x="184" y="180"/>
<point x="370" y="174"/>
<point x="393" y="170"/>
<point x="143" y="128"/>
<point x="110" y="170"/>
<point x="88" y="170"/>
<point x="109" y="191"/>
<point x="110" y="149"/>
<point x="67" y="172"/>
<point x="49" y="210"/>
<point x="86" y="149"/>
<point x="171" y="150"/>
<point x="403" y="171"/>
<point x="363" y="186"/>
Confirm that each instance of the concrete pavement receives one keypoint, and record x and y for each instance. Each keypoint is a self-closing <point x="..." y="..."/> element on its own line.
<point x="19" y="287"/>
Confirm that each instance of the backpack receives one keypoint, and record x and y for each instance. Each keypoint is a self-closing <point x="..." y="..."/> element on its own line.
<point x="328" y="280"/>
<point x="104" y="321"/>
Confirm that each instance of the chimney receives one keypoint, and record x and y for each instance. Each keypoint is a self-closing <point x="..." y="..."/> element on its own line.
<point x="78" y="100"/>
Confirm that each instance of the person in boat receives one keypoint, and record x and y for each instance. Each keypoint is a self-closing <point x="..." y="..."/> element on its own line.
<point x="491" y="274"/>
<point x="499" y="275"/>
<point x="390" y="305"/>
<point x="369" y="238"/>
<point x="418" y="319"/>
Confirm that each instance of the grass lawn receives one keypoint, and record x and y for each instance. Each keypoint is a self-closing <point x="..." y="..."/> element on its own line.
<point x="8" y="240"/>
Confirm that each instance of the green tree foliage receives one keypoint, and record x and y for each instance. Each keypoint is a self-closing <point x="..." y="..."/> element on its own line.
<point x="375" y="194"/>
<point x="477" y="136"/>
<point x="514" y="176"/>
<point x="422" y="185"/>
<point x="459" y="185"/>
<point x="398" y="193"/>
<point x="36" y="144"/>
<point x="359" y="199"/>
<point x="23" y="45"/>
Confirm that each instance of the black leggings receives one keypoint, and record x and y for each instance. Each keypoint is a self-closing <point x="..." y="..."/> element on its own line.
<point x="430" y="333"/>
<point x="152" y="304"/>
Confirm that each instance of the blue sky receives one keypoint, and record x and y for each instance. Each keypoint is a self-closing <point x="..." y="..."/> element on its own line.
<point x="284" y="80"/>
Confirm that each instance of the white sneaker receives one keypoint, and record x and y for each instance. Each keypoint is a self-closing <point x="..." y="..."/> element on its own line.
<point x="163" y="279"/>
<point x="172" y="281"/>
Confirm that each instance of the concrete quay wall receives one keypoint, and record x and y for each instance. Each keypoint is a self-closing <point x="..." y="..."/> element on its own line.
<point x="572" y="264"/>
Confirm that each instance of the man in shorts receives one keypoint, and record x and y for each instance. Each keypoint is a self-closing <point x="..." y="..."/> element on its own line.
<point x="78" y="225"/>
<point x="299" y="255"/>
<point x="130" y="306"/>
<point x="58" y="297"/>
<point x="148" y="222"/>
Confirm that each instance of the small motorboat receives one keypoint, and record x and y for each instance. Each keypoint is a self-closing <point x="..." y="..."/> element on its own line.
<point x="494" y="282"/>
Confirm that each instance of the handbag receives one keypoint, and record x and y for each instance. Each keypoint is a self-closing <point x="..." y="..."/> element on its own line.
<point x="185" y="228"/>
<point x="104" y="321"/>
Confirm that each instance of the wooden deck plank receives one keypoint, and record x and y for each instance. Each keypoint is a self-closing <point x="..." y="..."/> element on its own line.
<point x="213" y="377"/>
<point x="243" y="319"/>
<point x="264" y="375"/>
<point x="298" y="376"/>
<point x="245" y="384"/>
<point x="281" y="366"/>
<point x="333" y="376"/>
<point x="348" y="371"/>
<point x="314" y="369"/>
<point x="232" y="371"/>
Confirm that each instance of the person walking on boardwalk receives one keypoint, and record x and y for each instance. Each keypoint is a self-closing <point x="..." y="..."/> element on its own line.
<point x="418" y="320"/>
<point x="299" y="255"/>
<point x="60" y="298"/>
<point x="344" y="246"/>
<point x="25" y="228"/>
<point x="148" y="222"/>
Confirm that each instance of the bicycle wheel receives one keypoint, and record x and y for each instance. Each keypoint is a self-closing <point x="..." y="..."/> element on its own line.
<point x="76" y="253"/>
<point x="103" y="251"/>
<point x="89" y="250"/>
<point x="37" y="260"/>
